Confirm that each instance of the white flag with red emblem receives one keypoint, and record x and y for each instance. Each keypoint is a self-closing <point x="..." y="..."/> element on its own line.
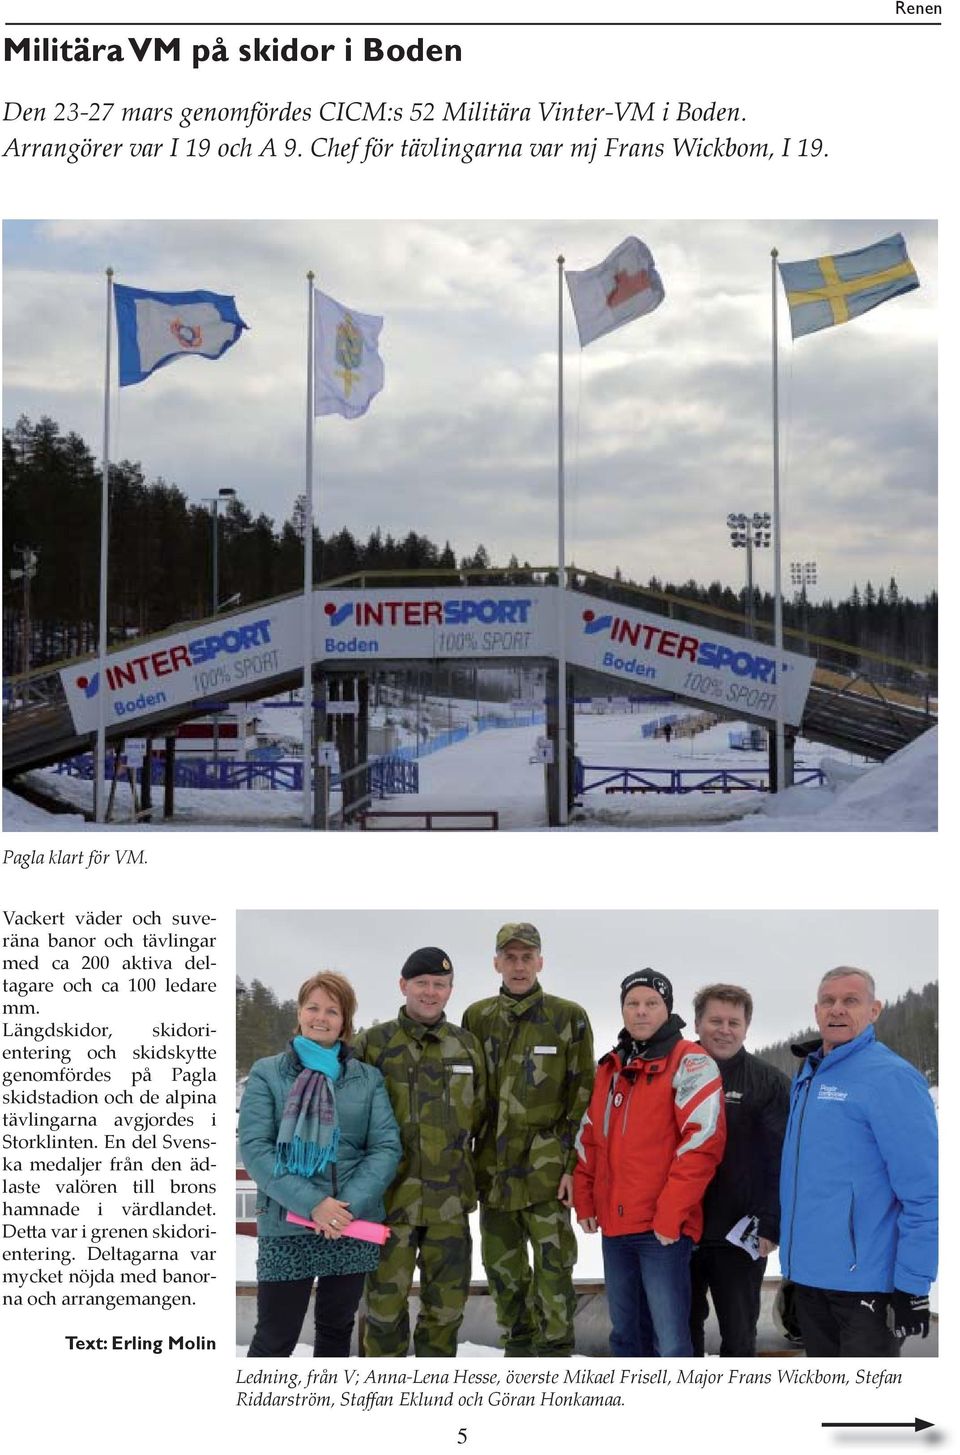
<point x="626" y="285"/>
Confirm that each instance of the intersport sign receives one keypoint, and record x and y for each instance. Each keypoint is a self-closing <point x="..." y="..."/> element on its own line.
<point x="728" y="672"/>
<point x="236" y="653"/>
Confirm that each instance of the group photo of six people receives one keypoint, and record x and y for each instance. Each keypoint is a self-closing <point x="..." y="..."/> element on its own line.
<point x="691" y="1158"/>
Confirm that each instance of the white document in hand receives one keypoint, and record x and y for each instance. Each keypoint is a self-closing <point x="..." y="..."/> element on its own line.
<point x="746" y="1235"/>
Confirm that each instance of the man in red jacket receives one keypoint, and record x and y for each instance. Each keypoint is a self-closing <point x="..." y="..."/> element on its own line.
<point x="649" y="1143"/>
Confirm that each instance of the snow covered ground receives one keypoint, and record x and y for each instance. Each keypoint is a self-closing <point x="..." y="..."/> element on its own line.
<point x="900" y="794"/>
<point x="493" y="770"/>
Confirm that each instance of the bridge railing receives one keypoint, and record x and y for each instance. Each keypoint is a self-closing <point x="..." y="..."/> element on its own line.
<point x="880" y="667"/>
<point x="842" y="668"/>
<point x="25" y="692"/>
<point x="22" y="689"/>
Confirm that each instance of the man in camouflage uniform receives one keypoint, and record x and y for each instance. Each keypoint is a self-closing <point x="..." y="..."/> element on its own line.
<point x="436" y="1080"/>
<point x="540" y="1068"/>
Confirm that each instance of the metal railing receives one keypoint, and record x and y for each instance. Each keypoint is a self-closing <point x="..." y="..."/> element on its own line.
<point x="579" y="578"/>
<point x="618" y="779"/>
<point x="430" y="818"/>
<point x="849" y="680"/>
<point x="388" y="776"/>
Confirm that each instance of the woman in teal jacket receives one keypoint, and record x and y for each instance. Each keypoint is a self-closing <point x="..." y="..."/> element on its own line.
<point x="319" y="1138"/>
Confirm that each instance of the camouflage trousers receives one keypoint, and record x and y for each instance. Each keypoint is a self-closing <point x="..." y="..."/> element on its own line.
<point x="535" y="1306"/>
<point x="442" y="1251"/>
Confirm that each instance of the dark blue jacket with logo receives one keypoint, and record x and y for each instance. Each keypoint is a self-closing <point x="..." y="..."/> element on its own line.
<point x="858" y="1179"/>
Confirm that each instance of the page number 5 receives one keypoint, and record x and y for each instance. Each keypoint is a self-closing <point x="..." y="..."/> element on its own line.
<point x="461" y="1437"/>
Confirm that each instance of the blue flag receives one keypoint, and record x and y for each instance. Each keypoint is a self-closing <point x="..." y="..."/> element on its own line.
<point x="153" y="329"/>
<point x="825" y="291"/>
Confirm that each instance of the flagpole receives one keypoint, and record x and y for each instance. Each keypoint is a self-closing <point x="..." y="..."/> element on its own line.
<point x="308" y="574"/>
<point x="561" y="572"/>
<point x="100" y="757"/>
<point x="777" y="588"/>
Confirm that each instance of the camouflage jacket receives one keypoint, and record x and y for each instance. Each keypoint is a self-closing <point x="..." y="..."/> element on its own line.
<point x="540" y="1068"/>
<point x="436" y="1080"/>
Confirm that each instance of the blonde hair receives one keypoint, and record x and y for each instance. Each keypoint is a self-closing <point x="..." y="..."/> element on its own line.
<point x="338" y="987"/>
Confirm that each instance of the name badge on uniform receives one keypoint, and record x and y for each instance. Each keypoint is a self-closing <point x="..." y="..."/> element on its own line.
<point x="544" y="1050"/>
<point x="463" y="1070"/>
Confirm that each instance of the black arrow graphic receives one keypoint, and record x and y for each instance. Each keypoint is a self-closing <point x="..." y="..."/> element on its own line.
<point x="914" y="1425"/>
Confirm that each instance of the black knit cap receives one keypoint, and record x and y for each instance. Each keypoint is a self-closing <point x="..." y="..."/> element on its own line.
<point x="653" y="980"/>
<point x="427" y="961"/>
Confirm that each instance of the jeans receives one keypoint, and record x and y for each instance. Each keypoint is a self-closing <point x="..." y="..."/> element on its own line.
<point x="648" y="1295"/>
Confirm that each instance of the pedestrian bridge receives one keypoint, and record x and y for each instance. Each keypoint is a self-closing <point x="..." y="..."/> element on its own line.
<point x="691" y="652"/>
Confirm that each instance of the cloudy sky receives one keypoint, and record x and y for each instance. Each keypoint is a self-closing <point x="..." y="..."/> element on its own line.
<point x="667" y="420"/>
<point x="778" y="955"/>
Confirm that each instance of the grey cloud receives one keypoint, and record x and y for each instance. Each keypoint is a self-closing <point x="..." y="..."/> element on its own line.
<point x="668" y="422"/>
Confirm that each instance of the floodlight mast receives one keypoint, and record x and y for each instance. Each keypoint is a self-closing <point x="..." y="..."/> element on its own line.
<point x="749" y="532"/>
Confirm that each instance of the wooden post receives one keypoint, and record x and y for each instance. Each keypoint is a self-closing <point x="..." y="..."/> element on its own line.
<point x="146" y="774"/>
<point x="169" y="765"/>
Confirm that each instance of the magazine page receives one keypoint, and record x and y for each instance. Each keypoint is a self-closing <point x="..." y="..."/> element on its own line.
<point x="553" y="468"/>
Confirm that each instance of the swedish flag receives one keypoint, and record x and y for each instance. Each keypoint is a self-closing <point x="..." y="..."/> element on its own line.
<point x="825" y="291"/>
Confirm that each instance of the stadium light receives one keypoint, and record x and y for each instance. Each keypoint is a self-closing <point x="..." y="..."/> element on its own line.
<point x="749" y="533"/>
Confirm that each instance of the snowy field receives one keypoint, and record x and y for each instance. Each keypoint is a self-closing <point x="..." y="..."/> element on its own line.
<point x="493" y="771"/>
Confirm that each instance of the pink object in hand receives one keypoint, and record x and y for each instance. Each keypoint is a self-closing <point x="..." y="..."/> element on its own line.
<point x="369" y="1232"/>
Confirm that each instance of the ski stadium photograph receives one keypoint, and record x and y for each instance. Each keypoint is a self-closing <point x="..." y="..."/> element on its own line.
<point x="470" y="526"/>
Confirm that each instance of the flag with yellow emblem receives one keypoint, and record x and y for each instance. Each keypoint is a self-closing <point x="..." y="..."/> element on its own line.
<point x="348" y="369"/>
<point x="825" y="291"/>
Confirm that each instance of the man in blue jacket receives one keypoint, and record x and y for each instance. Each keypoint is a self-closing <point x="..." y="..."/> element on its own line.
<point x="858" y="1183"/>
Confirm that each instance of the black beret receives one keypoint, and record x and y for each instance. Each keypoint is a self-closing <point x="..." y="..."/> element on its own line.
<point x="427" y="961"/>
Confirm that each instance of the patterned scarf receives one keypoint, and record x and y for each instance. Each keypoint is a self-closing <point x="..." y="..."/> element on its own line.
<point x="309" y="1131"/>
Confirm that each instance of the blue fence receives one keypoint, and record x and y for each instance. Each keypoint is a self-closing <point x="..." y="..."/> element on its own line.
<point x="657" y="724"/>
<point x="433" y="745"/>
<point x="617" y="779"/>
<point x="393" y="775"/>
<point x="389" y="775"/>
<point x="526" y="719"/>
<point x="748" y="739"/>
<point x="634" y="699"/>
<point x="450" y="736"/>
